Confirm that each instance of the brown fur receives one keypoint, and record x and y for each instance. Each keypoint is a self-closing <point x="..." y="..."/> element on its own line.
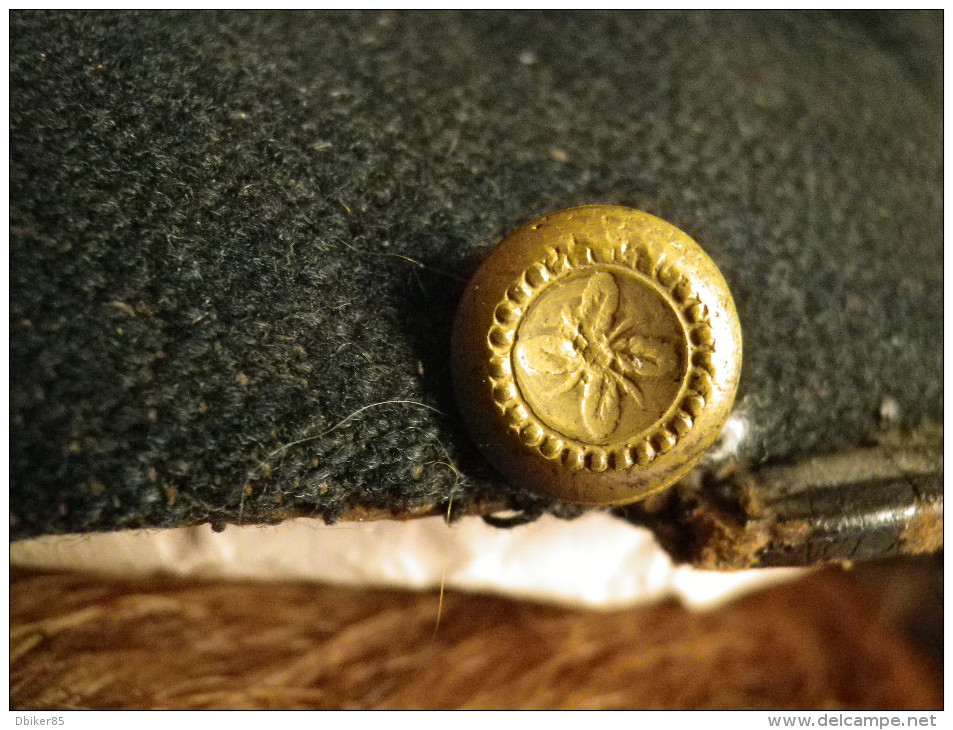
<point x="86" y="642"/>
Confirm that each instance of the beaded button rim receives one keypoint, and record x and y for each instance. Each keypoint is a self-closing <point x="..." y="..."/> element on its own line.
<point x="559" y="261"/>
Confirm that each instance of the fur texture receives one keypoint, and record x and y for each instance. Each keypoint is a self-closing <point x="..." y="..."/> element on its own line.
<point x="821" y="643"/>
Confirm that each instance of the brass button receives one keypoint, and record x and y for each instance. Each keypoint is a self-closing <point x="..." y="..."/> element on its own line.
<point x="596" y="354"/>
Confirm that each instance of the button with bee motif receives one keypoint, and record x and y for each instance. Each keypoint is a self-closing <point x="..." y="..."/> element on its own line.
<point x="596" y="355"/>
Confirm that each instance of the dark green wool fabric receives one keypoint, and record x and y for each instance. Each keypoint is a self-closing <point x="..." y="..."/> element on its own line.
<point x="237" y="240"/>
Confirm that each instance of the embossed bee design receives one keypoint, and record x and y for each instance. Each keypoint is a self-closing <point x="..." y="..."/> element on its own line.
<point x="597" y="348"/>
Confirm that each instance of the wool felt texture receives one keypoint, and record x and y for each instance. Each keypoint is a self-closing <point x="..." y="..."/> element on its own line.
<point x="238" y="239"/>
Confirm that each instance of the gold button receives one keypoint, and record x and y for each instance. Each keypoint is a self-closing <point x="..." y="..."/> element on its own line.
<point x="596" y="354"/>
